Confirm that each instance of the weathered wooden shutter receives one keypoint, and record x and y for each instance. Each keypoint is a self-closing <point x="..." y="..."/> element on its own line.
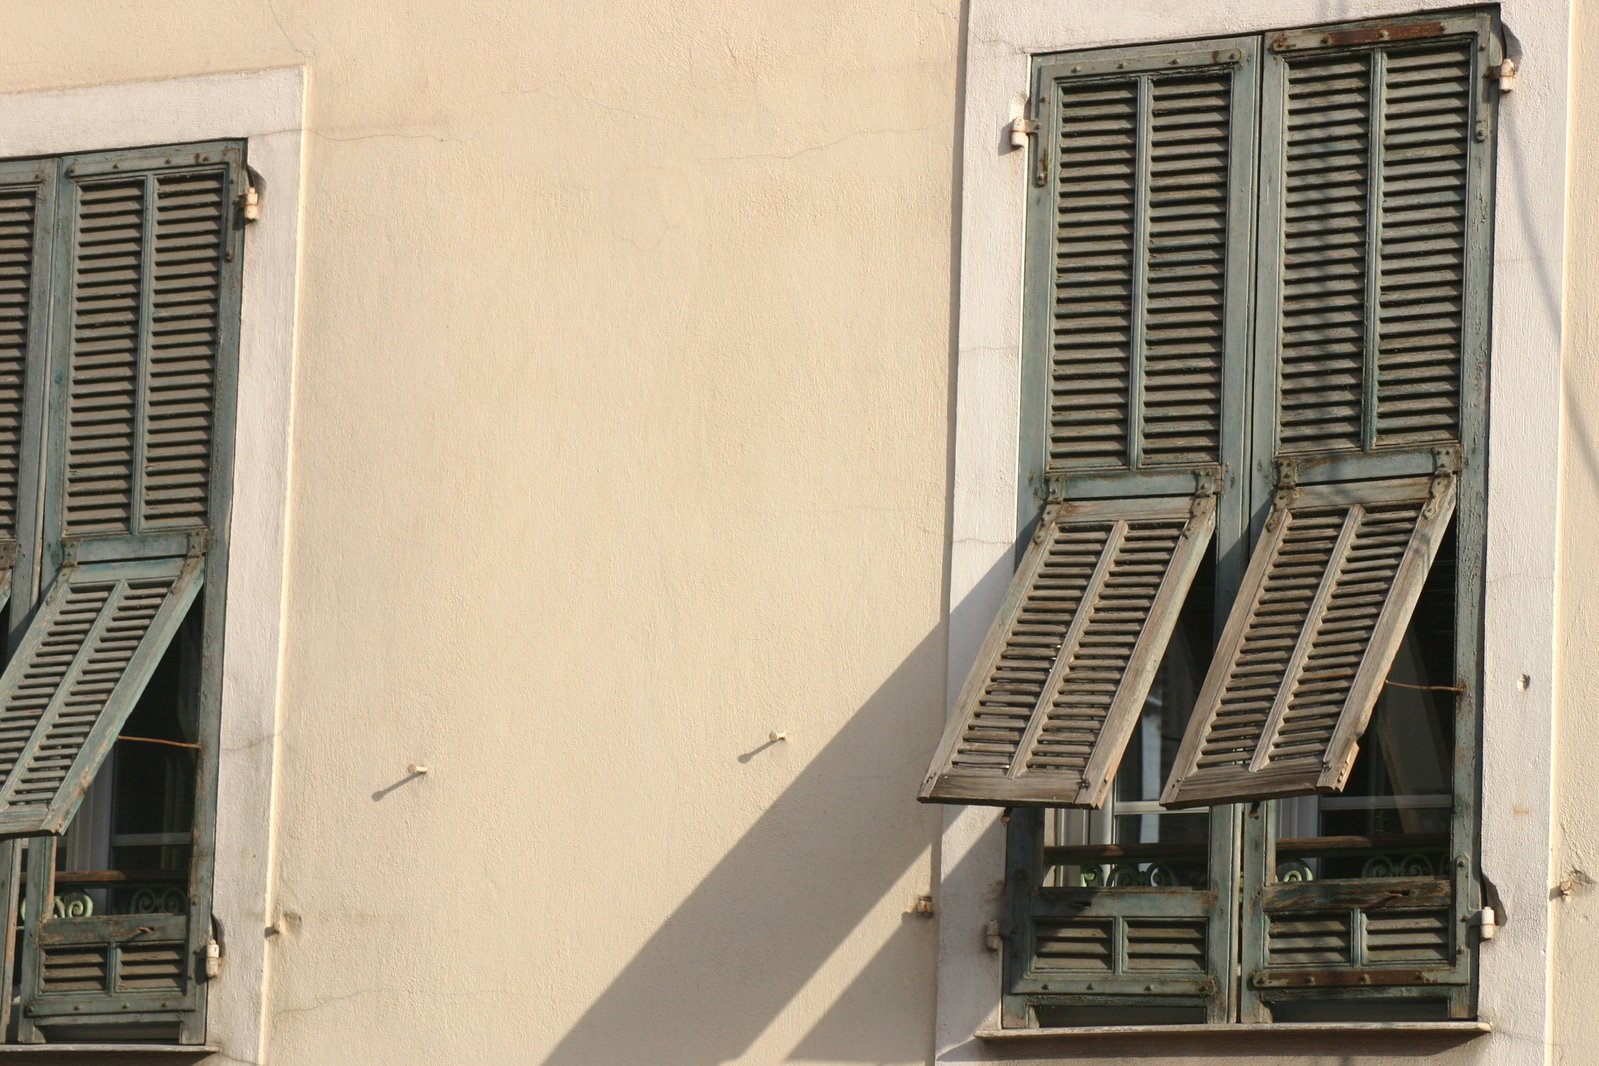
<point x="144" y="326"/>
<point x="1060" y="682"/>
<point x="1136" y="318"/>
<point x="1372" y="307"/>
<point x="1308" y="644"/>
<point x="1137" y="294"/>
<point x="1372" y="337"/>
<point x="75" y="678"/>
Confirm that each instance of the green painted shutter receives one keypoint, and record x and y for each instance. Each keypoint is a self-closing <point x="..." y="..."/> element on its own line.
<point x="1136" y="318"/>
<point x="1060" y="682"/>
<point x="1310" y="640"/>
<point x="1372" y="334"/>
<point x="144" y="326"/>
<point x="1372" y="309"/>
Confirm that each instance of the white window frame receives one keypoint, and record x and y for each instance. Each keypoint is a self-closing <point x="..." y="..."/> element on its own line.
<point x="1518" y="693"/>
<point x="267" y="108"/>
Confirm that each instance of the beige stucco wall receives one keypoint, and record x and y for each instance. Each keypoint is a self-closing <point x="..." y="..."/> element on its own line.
<point x="621" y="440"/>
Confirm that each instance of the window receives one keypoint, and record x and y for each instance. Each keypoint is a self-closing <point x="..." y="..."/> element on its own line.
<point x="1230" y="697"/>
<point x="120" y="277"/>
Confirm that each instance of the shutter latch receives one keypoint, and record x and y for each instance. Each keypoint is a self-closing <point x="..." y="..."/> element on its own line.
<point x="1021" y="128"/>
<point x="1505" y="73"/>
<point x="250" y="205"/>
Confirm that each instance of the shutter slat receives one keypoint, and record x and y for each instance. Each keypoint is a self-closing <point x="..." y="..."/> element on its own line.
<point x="1055" y="693"/>
<point x="1308" y="644"/>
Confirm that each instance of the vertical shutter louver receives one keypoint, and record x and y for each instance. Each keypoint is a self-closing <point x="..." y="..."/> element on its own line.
<point x="24" y="287"/>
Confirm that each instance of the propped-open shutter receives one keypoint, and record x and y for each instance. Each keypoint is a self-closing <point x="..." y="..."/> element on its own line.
<point x="1310" y="639"/>
<point x="144" y="330"/>
<point x="1062" y="677"/>
<point x="76" y="677"/>
<point x="1372" y="307"/>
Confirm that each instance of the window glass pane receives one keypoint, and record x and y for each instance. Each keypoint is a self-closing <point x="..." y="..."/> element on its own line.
<point x="1132" y="841"/>
<point x="127" y="850"/>
<point x="1392" y="820"/>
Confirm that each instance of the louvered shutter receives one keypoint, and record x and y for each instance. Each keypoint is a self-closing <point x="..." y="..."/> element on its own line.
<point x="146" y="261"/>
<point x="91" y="646"/>
<point x="144" y="249"/>
<point x="1323" y="607"/>
<point x="1062" y="677"/>
<point x="1372" y="307"/>
<point x="1137" y="298"/>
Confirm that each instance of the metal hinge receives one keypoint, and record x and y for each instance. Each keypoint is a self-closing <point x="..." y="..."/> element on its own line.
<point x="1445" y="469"/>
<point x="993" y="937"/>
<point x="1287" y="484"/>
<point x="250" y="205"/>
<point x="200" y="542"/>
<point x="1207" y="486"/>
<point x="1486" y="923"/>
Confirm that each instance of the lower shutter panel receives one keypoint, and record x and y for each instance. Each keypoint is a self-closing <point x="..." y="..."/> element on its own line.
<point x="1309" y="642"/>
<point x="75" y="677"/>
<point x="1058" y="686"/>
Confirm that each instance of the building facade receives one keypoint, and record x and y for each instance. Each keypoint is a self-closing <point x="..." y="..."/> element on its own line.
<point x="607" y="434"/>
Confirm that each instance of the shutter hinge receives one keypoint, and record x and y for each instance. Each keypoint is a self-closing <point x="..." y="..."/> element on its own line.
<point x="250" y="205"/>
<point x="1504" y="74"/>
<point x="69" y="552"/>
<point x="993" y="937"/>
<point x="1207" y="486"/>
<point x="1287" y="483"/>
<point x="1445" y="469"/>
<point x="200" y="542"/>
<point x="1486" y="923"/>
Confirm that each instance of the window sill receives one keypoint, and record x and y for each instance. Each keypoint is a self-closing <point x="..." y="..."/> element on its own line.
<point x="101" y="1054"/>
<point x="1291" y="1032"/>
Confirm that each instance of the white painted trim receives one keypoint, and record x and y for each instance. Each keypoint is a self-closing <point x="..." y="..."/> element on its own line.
<point x="266" y="107"/>
<point x="1524" y="451"/>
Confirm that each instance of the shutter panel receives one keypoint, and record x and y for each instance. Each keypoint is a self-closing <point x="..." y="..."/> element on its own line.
<point x="76" y="676"/>
<point x="1310" y="640"/>
<point x="1060" y="681"/>
<point x="1139" y="260"/>
<point x="144" y="327"/>
<point x="1365" y="293"/>
<point x="151" y="302"/>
